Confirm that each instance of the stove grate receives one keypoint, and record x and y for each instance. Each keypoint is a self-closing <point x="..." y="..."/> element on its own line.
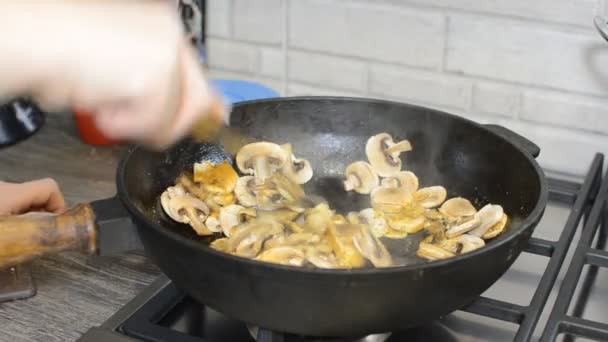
<point x="585" y="254"/>
<point x="142" y="319"/>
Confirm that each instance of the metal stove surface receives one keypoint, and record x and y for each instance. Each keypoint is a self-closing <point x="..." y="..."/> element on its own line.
<point x="162" y="313"/>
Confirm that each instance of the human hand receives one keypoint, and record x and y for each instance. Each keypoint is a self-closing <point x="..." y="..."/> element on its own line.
<point x="37" y="195"/>
<point x="126" y="62"/>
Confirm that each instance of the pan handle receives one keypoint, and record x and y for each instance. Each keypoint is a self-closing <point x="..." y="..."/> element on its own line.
<point x="25" y="237"/>
<point x="101" y="227"/>
<point x="516" y="139"/>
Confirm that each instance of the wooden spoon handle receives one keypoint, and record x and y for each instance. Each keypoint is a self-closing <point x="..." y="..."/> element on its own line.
<point x="28" y="236"/>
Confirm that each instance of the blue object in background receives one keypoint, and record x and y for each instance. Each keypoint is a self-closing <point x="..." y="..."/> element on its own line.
<point x="235" y="91"/>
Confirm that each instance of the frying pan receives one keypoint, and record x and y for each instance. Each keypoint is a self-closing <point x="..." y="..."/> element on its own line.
<point x="480" y="162"/>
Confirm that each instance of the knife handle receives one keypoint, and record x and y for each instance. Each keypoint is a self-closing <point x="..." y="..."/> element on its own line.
<point x="25" y="237"/>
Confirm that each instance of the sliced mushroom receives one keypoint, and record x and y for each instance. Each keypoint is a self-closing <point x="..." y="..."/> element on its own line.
<point x="457" y="207"/>
<point x="395" y="234"/>
<point x="383" y="153"/>
<point x="297" y="170"/>
<point x="436" y="231"/>
<point x="284" y="255"/>
<point x="224" y="199"/>
<point x="260" y="159"/>
<point x="339" y="219"/>
<point x="213" y="223"/>
<point x="244" y="191"/>
<point x="319" y="219"/>
<point x="321" y="260"/>
<point x="353" y="217"/>
<point x="375" y="221"/>
<point x="433" y="214"/>
<point x="294" y="239"/>
<point x="470" y="243"/>
<point x="371" y="248"/>
<point x="190" y="210"/>
<point x="430" y="197"/>
<point x="411" y="225"/>
<point x="219" y="244"/>
<point x="464" y="227"/>
<point x="340" y="238"/>
<point x="360" y="177"/>
<point x="281" y="216"/>
<point x="390" y="200"/>
<point x="219" y="178"/>
<point x="431" y="252"/>
<point x="232" y="216"/>
<point x="165" y="199"/>
<point x="191" y="187"/>
<point x="496" y="229"/>
<point x="402" y="179"/>
<point x="288" y="189"/>
<point x="489" y="215"/>
<point x="248" y="241"/>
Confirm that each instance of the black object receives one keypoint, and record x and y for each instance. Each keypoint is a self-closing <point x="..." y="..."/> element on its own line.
<point x="164" y="313"/>
<point x="469" y="159"/>
<point x="574" y="325"/>
<point x="19" y="119"/>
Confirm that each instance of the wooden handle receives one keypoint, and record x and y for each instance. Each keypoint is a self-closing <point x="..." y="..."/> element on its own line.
<point x="28" y="236"/>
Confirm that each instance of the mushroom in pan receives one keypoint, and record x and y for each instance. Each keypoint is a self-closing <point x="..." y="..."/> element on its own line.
<point x="402" y="179"/>
<point x="232" y="216"/>
<point x="185" y="208"/>
<point x="213" y="223"/>
<point x="284" y="255"/>
<point x="408" y="224"/>
<point x="431" y="252"/>
<point x="384" y="154"/>
<point x="220" y="178"/>
<point x="244" y="191"/>
<point x="489" y="216"/>
<point x="457" y="207"/>
<point x="431" y="197"/>
<point x="247" y="241"/>
<point x="319" y="218"/>
<point x="294" y="239"/>
<point x="360" y="177"/>
<point x="340" y="237"/>
<point x="496" y="229"/>
<point x="374" y="220"/>
<point x="461" y="244"/>
<point x="261" y="159"/>
<point x="321" y="260"/>
<point x="463" y="227"/>
<point x="187" y="184"/>
<point x="390" y="200"/>
<point x="371" y="248"/>
<point x="296" y="169"/>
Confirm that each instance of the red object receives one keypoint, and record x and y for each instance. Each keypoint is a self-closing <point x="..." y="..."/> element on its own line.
<point x="88" y="130"/>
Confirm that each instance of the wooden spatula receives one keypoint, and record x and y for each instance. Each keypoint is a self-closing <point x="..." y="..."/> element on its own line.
<point x="214" y="128"/>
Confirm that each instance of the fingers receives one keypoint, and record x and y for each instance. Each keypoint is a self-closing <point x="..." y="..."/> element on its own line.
<point x="167" y="112"/>
<point x="42" y="194"/>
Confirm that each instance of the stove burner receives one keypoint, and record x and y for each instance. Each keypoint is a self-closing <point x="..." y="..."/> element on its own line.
<point x="255" y="331"/>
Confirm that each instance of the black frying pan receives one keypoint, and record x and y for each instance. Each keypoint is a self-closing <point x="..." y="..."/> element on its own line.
<point x="484" y="163"/>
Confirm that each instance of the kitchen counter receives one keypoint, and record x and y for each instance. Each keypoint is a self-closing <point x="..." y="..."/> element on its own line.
<point x="75" y="292"/>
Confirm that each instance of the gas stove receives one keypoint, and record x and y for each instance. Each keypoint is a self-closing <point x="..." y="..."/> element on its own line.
<point x="555" y="290"/>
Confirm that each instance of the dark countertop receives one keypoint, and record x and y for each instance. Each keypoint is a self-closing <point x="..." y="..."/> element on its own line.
<point x="75" y="292"/>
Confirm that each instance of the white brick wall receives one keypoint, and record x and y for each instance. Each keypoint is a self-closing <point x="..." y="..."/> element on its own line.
<point x="335" y="72"/>
<point x="258" y="21"/>
<point x="537" y="67"/>
<point x="420" y="86"/>
<point x="390" y="34"/>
